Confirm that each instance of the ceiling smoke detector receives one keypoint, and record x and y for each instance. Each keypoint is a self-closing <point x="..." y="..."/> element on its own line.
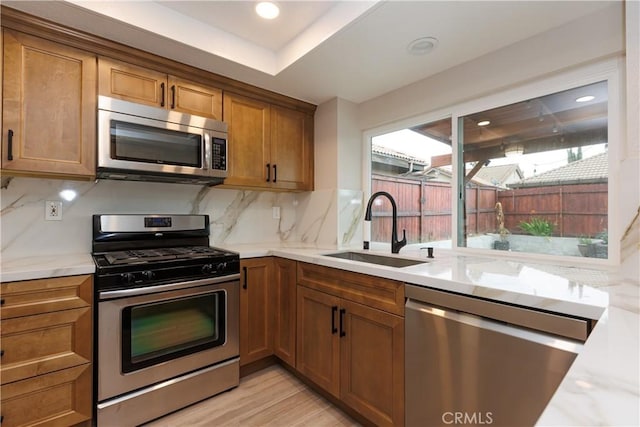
<point x="422" y="46"/>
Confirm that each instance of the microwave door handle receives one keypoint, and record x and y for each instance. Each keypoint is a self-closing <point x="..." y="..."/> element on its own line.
<point x="206" y="155"/>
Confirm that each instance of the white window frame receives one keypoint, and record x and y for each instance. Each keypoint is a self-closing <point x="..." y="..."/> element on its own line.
<point x="608" y="70"/>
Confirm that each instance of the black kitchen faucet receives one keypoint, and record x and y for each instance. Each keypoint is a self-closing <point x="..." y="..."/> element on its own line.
<point x="395" y="244"/>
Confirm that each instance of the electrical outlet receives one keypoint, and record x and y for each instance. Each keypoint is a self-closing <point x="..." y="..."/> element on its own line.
<point x="276" y="212"/>
<point x="53" y="210"/>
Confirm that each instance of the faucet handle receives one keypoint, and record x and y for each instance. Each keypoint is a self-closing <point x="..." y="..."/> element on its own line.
<point x="404" y="236"/>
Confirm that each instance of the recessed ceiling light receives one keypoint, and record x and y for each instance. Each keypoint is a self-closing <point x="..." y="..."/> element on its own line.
<point x="586" y="98"/>
<point x="484" y="123"/>
<point x="267" y="10"/>
<point x="422" y="46"/>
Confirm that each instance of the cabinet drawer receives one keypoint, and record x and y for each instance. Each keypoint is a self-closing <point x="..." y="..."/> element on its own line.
<point x="44" y="343"/>
<point x="62" y="398"/>
<point x="31" y="297"/>
<point x="376" y="292"/>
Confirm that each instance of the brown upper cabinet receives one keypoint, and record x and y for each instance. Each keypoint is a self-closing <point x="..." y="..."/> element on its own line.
<point x="270" y="147"/>
<point x="144" y="86"/>
<point x="48" y="108"/>
<point x="53" y="74"/>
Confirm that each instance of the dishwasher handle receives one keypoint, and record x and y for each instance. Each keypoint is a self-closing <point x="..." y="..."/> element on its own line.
<point x="531" y="335"/>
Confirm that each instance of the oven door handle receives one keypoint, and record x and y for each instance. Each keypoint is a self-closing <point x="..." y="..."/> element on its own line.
<point x="121" y="293"/>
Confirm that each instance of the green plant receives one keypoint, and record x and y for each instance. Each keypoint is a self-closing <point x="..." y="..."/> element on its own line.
<point x="537" y="227"/>
<point x="604" y="236"/>
<point x="584" y="240"/>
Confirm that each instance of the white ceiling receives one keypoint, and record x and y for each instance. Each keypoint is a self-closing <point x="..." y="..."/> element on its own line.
<point x="316" y="50"/>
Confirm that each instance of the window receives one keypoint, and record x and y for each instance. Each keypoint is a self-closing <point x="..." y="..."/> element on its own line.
<point x="535" y="175"/>
<point x="402" y="164"/>
<point x="529" y="177"/>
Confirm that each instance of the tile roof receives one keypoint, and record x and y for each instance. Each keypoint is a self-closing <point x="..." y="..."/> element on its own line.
<point x="588" y="170"/>
<point x="378" y="149"/>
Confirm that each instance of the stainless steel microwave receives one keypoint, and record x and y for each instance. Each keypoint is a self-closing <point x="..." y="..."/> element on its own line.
<point x="143" y="143"/>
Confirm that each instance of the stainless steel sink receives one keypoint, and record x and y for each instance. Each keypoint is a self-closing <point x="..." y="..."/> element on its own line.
<point x="376" y="259"/>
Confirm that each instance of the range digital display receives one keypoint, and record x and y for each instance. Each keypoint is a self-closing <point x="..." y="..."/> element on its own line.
<point x="157" y="221"/>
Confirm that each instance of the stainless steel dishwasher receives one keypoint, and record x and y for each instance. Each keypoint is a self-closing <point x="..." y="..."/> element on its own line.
<point x="470" y="361"/>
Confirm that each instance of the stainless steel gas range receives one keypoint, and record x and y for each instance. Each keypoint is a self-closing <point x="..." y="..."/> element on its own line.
<point x="167" y="316"/>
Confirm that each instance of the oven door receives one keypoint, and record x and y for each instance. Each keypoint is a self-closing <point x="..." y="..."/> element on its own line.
<point x="154" y="335"/>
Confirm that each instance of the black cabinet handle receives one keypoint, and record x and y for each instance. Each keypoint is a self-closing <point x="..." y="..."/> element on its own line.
<point x="173" y="96"/>
<point x="275" y="173"/>
<point x="1" y="353"/>
<point x="162" y="94"/>
<point x="334" y="310"/>
<point x="1" y="418"/>
<point x="342" y="312"/>
<point x="2" y="301"/>
<point x="268" y="172"/>
<point x="10" y="145"/>
<point x="244" y="284"/>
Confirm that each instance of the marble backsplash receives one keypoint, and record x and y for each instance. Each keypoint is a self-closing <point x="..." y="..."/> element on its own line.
<point x="321" y="218"/>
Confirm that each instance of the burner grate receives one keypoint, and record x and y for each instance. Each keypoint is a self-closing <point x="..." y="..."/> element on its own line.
<point x="140" y="256"/>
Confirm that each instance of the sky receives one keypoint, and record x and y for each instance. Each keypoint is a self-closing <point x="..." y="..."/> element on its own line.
<point x="420" y="146"/>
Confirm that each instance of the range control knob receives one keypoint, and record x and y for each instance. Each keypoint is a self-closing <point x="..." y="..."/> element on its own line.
<point x="148" y="275"/>
<point x="207" y="269"/>
<point x="221" y="267"/>
<point x="127" y="278"/>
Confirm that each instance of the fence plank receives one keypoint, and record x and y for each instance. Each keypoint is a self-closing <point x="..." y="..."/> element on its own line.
<point x="424" y="209"/>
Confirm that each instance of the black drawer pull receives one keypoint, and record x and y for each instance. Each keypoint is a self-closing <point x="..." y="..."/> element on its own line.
<point x="10" y="145"/>
<point x="334" y="310"/>
<point x="268" y="172"/>
<point x="342" y="312"/>
<point x="244" y="283"/>
<point x="173" y="96"/>
<point x="162" y="94"/>
<point x="275" y="173"/>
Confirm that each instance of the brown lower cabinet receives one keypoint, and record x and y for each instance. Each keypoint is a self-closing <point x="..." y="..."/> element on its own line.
<point x="256" y="333"/>
<point x="351" y="350"/>
<point x="46" y="373"/>
<point x="267" y="309"/>
<point x="284" y="310"/>
<point x="342" y="331"/>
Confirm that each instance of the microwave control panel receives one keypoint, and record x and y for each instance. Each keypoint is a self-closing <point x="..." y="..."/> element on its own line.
<point x="219" y="154"/>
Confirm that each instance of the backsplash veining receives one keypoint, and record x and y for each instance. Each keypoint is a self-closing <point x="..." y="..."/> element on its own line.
<point x="237" y="217"/>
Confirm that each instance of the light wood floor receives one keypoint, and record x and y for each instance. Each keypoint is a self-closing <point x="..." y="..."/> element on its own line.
<point x="270" y="397"/>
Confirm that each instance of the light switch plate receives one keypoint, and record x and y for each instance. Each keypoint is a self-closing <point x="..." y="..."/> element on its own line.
<point x="276" y="212"/>
<point x="53" y="210"/>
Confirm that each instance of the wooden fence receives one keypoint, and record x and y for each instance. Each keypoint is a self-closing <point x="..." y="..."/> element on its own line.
<point x="424" y="209"/>
<point x="574" y="210"/>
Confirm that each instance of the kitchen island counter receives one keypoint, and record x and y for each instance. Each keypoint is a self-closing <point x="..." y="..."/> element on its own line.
<point x="602" y="387"/>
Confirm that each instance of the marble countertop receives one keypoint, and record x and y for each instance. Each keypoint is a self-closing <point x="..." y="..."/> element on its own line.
<point x="602" y="386"/>
<point x="39" y="267"/>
